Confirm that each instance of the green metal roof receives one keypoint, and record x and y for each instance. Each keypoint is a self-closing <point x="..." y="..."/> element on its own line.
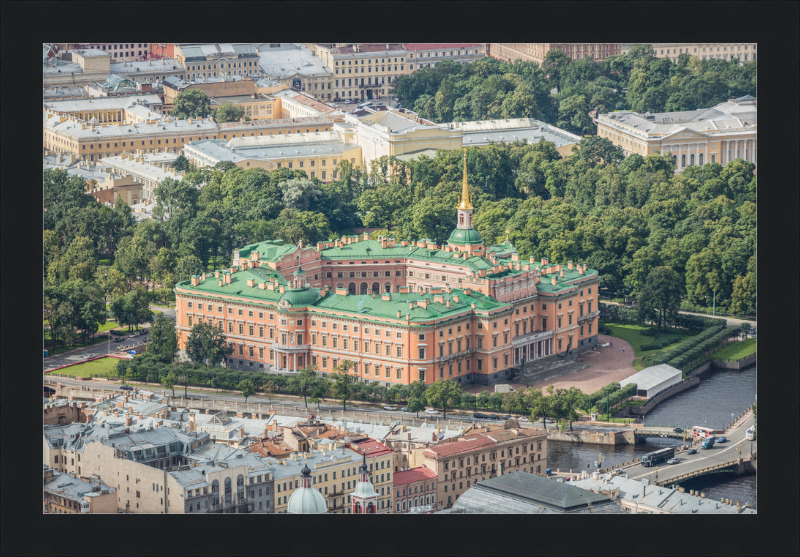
<point x="300" y="297"/>
<point x="271" y="250"/>
<point x="462" y="236"/>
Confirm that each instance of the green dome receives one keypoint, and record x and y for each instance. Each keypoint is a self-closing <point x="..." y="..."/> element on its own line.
<point x="299" y="272"/>
<point x="462" y="236"/>
<point x="298" y="297"/>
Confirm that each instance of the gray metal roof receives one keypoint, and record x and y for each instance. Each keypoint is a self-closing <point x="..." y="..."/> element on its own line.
<point x="66" y="486"/>
<point x="664" y="498"/>
<point x="103" y="103"/>
<point x="77" y="129"/>
<point x="524" y="493"/>
<point x="146" y="67"/>
<point x="290" y="61"/>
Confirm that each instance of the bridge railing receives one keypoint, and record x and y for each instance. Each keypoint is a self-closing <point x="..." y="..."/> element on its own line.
<point x="699" y="472"/>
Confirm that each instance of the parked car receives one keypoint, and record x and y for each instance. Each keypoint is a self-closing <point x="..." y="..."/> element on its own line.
<point x="524" y="419"/>
<point x="390" y="407"/>
<point x="479" y="416"/>
<point x="126" y="388"/>
<point x="404" y="409"/>
<point x="145" y="331"/>
<point x="721" y="439"/>
<point x="494" y="417"/>
<point x="677" y="430"/>
<point x="507" y="417"/>
<point x="673" y="461"/>
<point x="617" y="471"/>
<point x="691" y="451"/>
<point x="118" y="340"/>
<point x="431" y="411"/>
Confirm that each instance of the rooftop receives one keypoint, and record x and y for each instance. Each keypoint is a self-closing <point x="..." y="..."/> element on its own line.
<point x="664" y="498"/>
<point x="372" y="448"/>
<point x="283" y="146"/>
<point x="286" y="62"/>
<point x="253" y="125"/>
<point x="141" y="168"/>
<point x="146" y="66"/>
<point x="522" y="492"/>
<point x="433" y="46"/>
<point x="103" y="103"/>
<point x="363" y="48"/>
<point x="79" y="130"/>
<point x="651" y="377"/>
<point x="517" y="129"/>
<point x="198" y="51"/>
<point x="738" y="114"/>
<point x="412" y="475"/>
<point x="74" y="488"/>
<point x="306" y="100"/>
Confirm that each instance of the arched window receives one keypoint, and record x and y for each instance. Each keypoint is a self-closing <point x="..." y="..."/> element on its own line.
<point x="358" y="508"/>
<point x="387" y="287"/>
<point x="691" y="160"/>
<point x="376" y="288"/>
<point x="227" y="490"/>
<point x="351" y="288"/>
<point x="240" y="486"/>
<point x="363" y="288"/>
<point x="701" y="159"/>
<point x="683" y="161"/>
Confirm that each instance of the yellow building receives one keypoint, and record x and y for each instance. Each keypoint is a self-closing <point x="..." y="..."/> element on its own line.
<point x="718" y="135"/>
<point x="93" y="141"/>
<point x="745" y="52"/>
<point x="107" y="109"/>
<point x="536" y="52"/>
<point x="364" y="71"/>
<point x="216" y="60"/>
<point x="334" y="473"/>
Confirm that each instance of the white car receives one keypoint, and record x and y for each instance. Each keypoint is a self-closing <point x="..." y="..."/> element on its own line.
<point x="390" y="407"/>
<point x="431" y="411"/>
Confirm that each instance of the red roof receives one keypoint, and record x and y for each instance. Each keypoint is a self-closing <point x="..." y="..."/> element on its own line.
<point x="418" y="474"/>
<point x="372" y="447"/>
<point x="455" y="447"/>
<point x="432" y="46"/>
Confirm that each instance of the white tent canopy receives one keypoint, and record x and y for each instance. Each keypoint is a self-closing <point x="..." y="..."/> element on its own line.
<point x="654" y="379"/>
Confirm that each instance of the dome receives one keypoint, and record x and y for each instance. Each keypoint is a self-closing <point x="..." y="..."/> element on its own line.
<point x="365" y="490"/>
<point x="298" y="297"/>
<point x="462" y="236"/>
<point x="299" y="272"/>
<point x="307" y="500"/>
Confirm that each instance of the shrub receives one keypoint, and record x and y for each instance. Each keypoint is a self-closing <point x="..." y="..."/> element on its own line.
<point x="661" y="342"/>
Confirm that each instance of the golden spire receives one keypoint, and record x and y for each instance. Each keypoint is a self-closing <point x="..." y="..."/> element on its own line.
<point x="465" y="203"/>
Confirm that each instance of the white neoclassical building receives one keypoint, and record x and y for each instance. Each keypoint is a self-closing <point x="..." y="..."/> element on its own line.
<point x="719" y="134"/>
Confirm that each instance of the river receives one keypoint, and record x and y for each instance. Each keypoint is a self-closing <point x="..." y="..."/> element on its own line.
<point x="719" y="394"/>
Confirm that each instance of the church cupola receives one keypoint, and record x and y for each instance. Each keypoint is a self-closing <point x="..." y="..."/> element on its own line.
<point x="465" y="237"/>
<point x="364" y="498"/>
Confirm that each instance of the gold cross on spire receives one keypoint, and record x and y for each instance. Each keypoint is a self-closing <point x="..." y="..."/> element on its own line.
<point x="465" y="204"/>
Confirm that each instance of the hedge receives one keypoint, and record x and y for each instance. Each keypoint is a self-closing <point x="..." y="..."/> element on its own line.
<point x="688" y="344"/>
<point x="660" y="342"/>
<point x="702" y="348"/>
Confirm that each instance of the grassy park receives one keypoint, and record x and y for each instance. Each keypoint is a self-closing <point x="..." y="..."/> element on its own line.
<point x="632" y="334"/>
<point x="97" y="368"/>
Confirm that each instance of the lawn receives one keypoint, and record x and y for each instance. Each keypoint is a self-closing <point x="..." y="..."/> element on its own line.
<point x="632" y="334"/>
<point x="98" y="368"/>
<point x="110" y="324"/>
<point x="60" y="349"/>
<point x="736" y="350"/>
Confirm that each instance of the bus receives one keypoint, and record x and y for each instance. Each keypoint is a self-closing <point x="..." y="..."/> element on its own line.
<point x="702" y="431"/>
<point x="662" y="455"/>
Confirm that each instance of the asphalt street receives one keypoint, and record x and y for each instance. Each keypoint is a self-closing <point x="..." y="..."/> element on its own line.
<point x="720" y="453"/>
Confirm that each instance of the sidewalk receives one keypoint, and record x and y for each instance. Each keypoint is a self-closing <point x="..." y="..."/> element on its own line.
<point x="731" y="320"/>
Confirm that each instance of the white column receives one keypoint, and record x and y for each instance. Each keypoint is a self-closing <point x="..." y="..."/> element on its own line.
<point x="294" y="362"/>
<point x="705" y="154"/>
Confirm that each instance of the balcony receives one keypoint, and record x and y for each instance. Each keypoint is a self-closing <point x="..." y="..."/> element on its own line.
<point x="533" y="336"/>
<point x="587" y="316"/>
<point x="456" y="356"/>
<point x="290" y="347"/>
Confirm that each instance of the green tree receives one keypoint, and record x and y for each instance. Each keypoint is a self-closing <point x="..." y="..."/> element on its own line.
<point x="207" y="344"/>
<point x="661" y="294"/>
<point x="186" y="267"/>
<point x="573" y="115"/>
<point x="79" y="262"/>
<point x="444" y="394"/>
<point x="304" y="382"/>
<point x="229" y="112"/>
<point x="269" y="390"/>
<point x="132" y="309"/>
<point x="191" y="103"/>
<point x="111" y="281"/>
<point x="343" y="382"/>
<point x="133" y="258"/>
<point x="415" y="405"/>
<point x="169" y="381"/>
<point x="182" y="164"/>
<point x="246" y="386"/>
<point x="163" y="344"/>
<point x="567" y="401"/>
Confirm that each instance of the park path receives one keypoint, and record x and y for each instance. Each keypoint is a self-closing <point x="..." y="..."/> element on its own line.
<point x="732" y="321"/>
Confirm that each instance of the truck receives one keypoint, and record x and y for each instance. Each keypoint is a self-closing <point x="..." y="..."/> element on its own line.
<point x="708" y="442"/>
<point x="662" y="455"/>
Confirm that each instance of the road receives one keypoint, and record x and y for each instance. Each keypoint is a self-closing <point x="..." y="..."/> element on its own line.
<point x="704" y="458"/>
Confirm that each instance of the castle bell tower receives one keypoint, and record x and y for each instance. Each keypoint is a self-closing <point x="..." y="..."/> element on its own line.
<point x="465" y="207"/>
<point x="465" y="238"/>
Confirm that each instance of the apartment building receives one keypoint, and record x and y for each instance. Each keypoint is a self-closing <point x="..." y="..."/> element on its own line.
<point x="364" y="71"/>
<point x="105" y="109"/>
<point x="121" y="52"/>
<point x="334" y="473"/>
<point x="427" y="55"/>
<point x="536" y="52"/>
<point x="298" y="67"/>
<point x="461" y="464"/>
<point x="415" y="487"/>
<point x="217" y="60"/>
<point x="73" y="494"/>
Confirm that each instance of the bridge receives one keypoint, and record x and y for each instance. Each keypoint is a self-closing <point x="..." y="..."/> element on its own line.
<point x="737" y="455"/>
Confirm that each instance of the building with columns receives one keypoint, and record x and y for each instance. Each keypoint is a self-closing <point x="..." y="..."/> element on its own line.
<point x="536" y="52"/>
<point x="744" y="52"/>
<point x="399" y="311"/>
<point x="718" y="134"/>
